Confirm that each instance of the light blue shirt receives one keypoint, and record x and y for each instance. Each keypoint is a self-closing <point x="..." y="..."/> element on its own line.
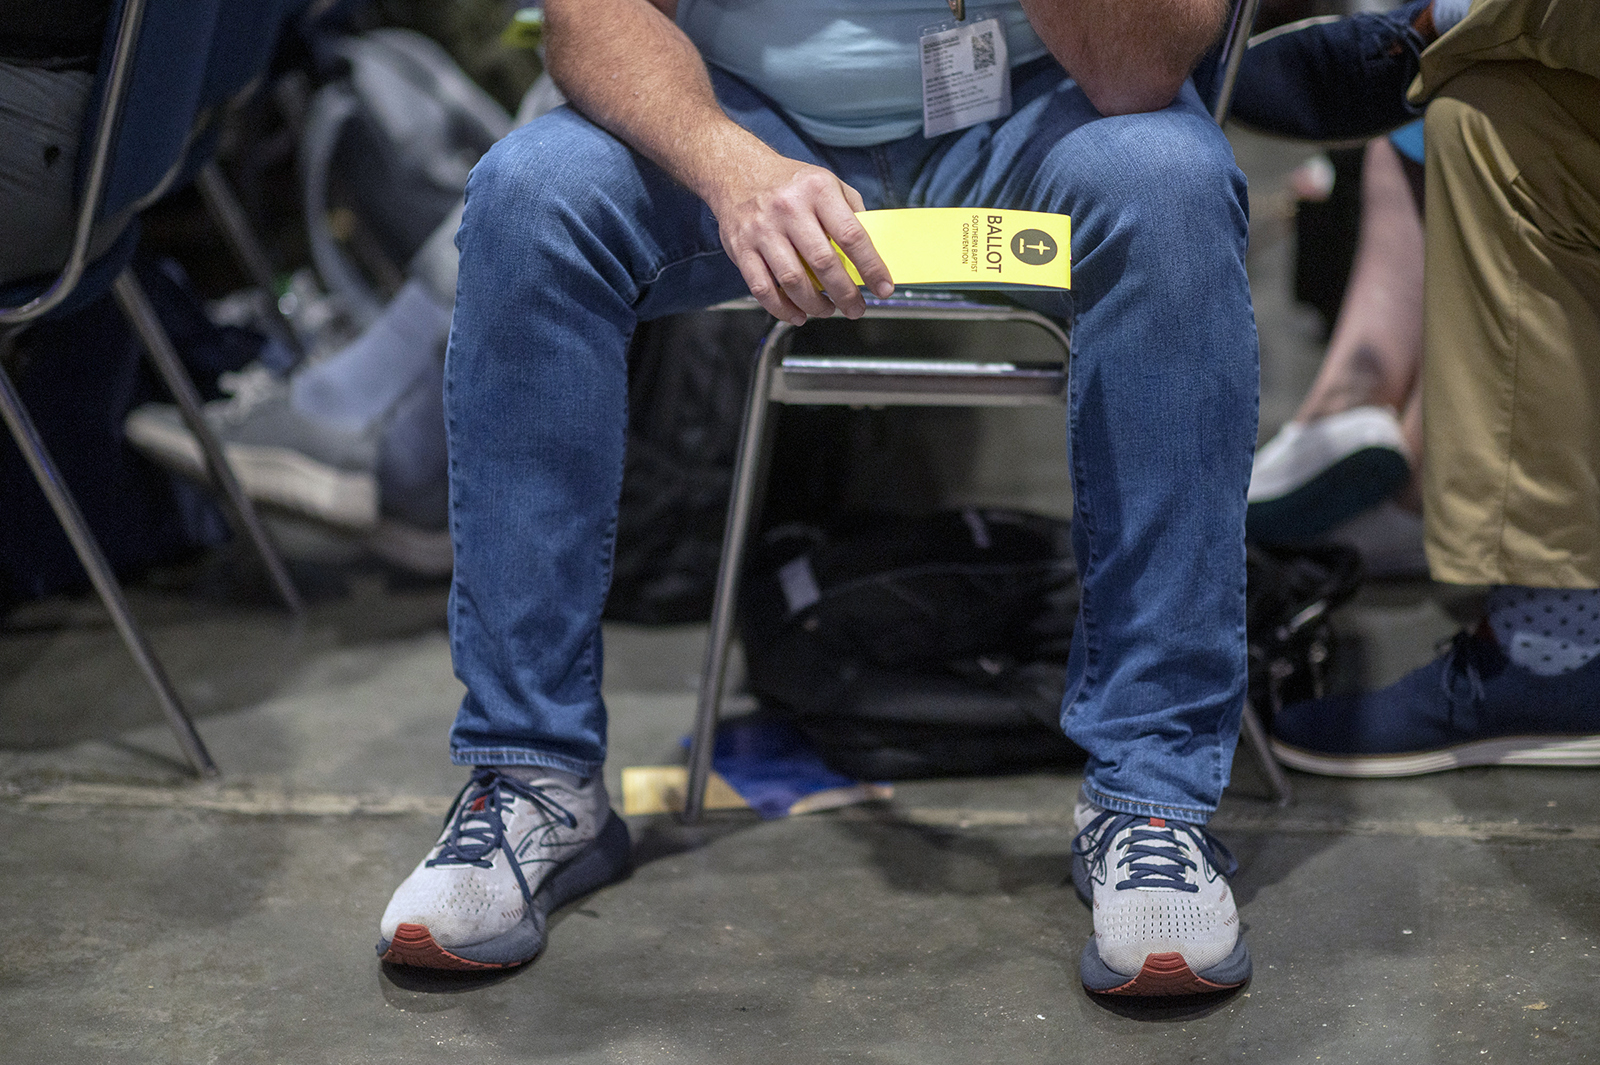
<point x="848" y="71"/>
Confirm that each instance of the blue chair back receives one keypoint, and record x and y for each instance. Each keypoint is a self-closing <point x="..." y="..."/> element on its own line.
<point x="170" y="56"/>
<point x="168" y="53"/>
<point x="242" y="44"/>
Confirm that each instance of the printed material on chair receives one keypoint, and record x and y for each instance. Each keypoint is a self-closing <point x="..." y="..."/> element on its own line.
<point x="971" y="247"/>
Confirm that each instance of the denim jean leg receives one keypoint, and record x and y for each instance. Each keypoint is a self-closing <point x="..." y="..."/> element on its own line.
<point x="1162" y="419"/>
<point x="567" y="238"/>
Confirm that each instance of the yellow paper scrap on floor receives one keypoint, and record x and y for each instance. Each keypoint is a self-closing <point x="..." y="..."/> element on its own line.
<point x="660" y="789"/>
<point x="970" y="247"/>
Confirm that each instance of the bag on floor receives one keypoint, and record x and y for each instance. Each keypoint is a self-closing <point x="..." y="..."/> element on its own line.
<point x="937" y="646"/>
<point x="1290" y="597"/>
<point x="917" y="647"/>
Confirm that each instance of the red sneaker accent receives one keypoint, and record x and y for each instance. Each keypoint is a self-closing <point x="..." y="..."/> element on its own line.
<point x="1166" y="974"/>
<point x="413" y="945"/>
<point x="1158" y="822"/>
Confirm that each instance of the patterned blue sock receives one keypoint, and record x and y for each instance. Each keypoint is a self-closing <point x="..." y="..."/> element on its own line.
<point x="1546" y="630"/>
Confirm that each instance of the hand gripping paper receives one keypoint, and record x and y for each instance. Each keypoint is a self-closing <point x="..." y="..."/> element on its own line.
<point x="970" y="247"/>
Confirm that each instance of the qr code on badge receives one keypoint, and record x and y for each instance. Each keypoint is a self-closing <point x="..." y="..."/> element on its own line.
<point x="982" y="50"/>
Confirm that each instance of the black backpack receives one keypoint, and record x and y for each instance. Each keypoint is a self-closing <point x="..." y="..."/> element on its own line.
<point x="916" y="647"/>
<point x="935" y="646"/>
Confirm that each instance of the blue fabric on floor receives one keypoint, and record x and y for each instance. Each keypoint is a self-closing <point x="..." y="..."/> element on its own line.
<point x="771" y="764"/>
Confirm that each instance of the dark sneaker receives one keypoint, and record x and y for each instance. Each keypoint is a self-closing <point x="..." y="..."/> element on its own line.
<point x="1164" y="918"/>
<point x="1312" y="476"/>
<point x="511" y="853"/>
<point x="1471" y="706"/>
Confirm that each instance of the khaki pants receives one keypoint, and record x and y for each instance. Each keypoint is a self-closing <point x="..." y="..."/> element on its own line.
<point x="1511" y="369"/>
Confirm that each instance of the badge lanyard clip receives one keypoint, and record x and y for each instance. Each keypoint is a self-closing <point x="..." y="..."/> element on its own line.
<point x="958" y="8"/>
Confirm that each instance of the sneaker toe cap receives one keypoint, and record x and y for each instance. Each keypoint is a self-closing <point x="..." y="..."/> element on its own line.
<point x="455" y="906"/>
<point x="1137" y="924"/>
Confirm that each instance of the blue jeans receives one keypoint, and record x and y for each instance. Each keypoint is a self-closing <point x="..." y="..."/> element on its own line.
<point x="570" y="239"/>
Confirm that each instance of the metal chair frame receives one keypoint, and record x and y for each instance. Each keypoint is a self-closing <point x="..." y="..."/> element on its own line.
<point x="136" y="308"/>
<point x="783" y="377"/>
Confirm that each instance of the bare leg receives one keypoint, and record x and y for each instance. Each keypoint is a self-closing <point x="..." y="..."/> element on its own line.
<point x="1375" y="353"/>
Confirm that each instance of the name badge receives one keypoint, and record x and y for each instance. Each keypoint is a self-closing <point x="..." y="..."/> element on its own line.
<point x="966" y="78"/>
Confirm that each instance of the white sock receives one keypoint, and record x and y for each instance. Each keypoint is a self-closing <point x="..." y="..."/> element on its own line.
<point x="1546" y="631"/>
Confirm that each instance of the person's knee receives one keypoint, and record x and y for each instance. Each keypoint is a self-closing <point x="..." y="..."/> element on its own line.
<point x="550" y="166"/>
<point x="1181" y="165"/>
<point x="1165" y="169"/>
<point x="1156" y="199"/>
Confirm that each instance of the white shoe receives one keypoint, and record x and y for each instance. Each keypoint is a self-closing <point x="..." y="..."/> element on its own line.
<point x="510" y="853"/>
<point x="1314" y="475"/>
<point x="1164" y="917"/>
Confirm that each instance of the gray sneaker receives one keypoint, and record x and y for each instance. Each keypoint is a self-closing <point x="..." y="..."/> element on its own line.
<point x="1164" y="916"/>
<point x="280" y="457"/>
<point x="511" y="852"/>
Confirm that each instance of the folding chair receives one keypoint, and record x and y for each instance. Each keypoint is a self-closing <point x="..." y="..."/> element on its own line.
<point x="138" y="143"/>
<point x="781" y="376"/>
<point x="241" y="48"/>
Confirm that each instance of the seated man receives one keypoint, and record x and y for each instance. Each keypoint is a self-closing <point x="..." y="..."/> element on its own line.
<point x="711" y="149"/>
<point x="1511" y="405"/>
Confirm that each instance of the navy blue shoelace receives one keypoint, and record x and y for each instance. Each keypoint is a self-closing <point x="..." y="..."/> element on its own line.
<point x="1152" y="853"/>
<point x="477" y="828"/>
<point x="1462" y="668"/>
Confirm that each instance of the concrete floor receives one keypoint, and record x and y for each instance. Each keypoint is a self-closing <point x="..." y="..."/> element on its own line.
<point x="144" y="918"/>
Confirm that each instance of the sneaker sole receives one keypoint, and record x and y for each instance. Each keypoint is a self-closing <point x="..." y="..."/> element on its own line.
<point x="281" y="477"/>
<point x="1548" y="751"/>
<point x="1163" y="975"/>
<point x="1355" y="483"/>
<point x="606" y="861"/>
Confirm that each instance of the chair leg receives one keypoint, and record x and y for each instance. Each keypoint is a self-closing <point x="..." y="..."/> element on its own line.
<point x="224" y="208"/>
<point x="1250" y="727"/>
<point x="94" y="562"/>
<point x="749" y="471"/>
<point x="131" y="297"/>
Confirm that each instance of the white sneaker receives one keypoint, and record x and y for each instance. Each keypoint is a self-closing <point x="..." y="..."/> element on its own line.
<point x="1314" y="475"/>
<point x="1164" y="918"/>
<point x="510" y="853"/>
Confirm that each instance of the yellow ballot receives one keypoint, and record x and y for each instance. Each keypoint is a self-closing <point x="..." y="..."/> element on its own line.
<point x="970" y="247"/>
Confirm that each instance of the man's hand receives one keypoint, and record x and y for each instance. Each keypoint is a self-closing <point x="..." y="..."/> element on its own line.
<point x="776" y="214"/>
<point x="776" y="218"/>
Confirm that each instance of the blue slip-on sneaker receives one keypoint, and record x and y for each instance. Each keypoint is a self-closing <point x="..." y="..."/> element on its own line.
<point x="511" y="852"/>
<point x="1470" y="706"/>
<point x="1315" y="475"/>
<point x="1164" y="918"/>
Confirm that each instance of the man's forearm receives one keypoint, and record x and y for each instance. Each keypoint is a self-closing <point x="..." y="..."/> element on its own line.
<point x="628" y="67"/>
<point x="1128" y="55"/>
